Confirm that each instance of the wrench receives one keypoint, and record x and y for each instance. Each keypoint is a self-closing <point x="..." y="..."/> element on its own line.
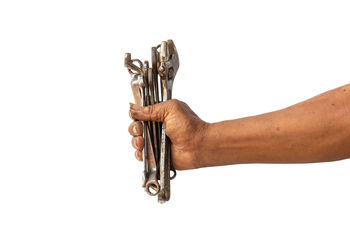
<point x="138" y="89"/>
<point x="148" y="90"/>
<point x="152" y="185"/>
<point x="169" y="64"/>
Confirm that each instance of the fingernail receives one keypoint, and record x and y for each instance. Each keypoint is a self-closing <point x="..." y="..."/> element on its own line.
<point x="133" y="143"/>
<point x="135" y="107"/>
<point x="138" y="156"/>
<point x="134" y="129"/>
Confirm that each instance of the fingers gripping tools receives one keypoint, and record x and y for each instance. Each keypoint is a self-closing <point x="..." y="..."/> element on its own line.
<point x="151" y="85"/>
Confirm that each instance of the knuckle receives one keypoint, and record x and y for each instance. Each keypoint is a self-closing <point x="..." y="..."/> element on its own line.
<point x="130" y="129"/>
<point x="145" y="110"/>
<point x="138" y="128"/>
<point x="150" y="109"/>
<point x="161" y="115"/>
<point x="133" y="115"/>
<point x="140" y="143"/>
<point x="174" y="103"/>
<point x="133" y="143"/>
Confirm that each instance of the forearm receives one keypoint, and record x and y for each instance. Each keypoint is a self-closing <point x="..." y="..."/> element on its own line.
<point x="316" y="130"/>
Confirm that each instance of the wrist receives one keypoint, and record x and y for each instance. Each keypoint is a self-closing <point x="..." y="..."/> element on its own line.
<point x="222" y="144"/>
<point x="209" y="145"/>
<point x="201" y="142"/>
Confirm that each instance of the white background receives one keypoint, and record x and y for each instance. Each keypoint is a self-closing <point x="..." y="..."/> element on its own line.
<point x="68" y="177"/>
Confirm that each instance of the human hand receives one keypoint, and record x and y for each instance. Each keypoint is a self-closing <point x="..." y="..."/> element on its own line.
<point x="184" y="128"/>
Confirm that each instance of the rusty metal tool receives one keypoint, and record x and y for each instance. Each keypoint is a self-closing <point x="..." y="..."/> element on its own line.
<point x="167" y="69"/>
<point x="157" y="99"/>
<point x="151" y="85"/>
<point x="135" y="69"/>
<point x="140" y="89"/>
<point x="152" y="186"/>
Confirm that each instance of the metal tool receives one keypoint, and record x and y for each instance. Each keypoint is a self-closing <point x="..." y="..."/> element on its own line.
<point x="146" y="91"/>
<point x="167" y="69"/>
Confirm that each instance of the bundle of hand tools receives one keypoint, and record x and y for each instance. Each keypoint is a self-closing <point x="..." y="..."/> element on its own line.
<point x="151" y="85"/>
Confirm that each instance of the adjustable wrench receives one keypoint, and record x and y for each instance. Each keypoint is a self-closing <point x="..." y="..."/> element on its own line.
<point x="167" y="69"/>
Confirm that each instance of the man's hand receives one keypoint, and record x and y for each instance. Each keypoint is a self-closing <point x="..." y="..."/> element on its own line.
<point x="184" y="128"/>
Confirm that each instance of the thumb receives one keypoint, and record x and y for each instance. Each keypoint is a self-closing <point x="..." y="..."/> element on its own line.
<point x="156" y="112"/>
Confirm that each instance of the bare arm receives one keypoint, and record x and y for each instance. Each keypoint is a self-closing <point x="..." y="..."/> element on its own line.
<point x="316" y="130"/>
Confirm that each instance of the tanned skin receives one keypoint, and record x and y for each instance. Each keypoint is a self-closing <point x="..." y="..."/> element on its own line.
<point x="315" y="130"/>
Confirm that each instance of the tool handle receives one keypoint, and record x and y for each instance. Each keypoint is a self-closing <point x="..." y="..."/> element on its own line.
<point x="137" y="96"/>
<point x="165" y="161"/>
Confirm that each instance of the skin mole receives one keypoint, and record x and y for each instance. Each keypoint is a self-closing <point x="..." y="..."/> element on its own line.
<point x="278" y="128"/>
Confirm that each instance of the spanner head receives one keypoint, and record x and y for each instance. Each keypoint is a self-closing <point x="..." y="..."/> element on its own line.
<point x="129" y="64"/>
<point x="169" y="59"/>
<point x="173" y="58"/>
<point x="137" y="80"/>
